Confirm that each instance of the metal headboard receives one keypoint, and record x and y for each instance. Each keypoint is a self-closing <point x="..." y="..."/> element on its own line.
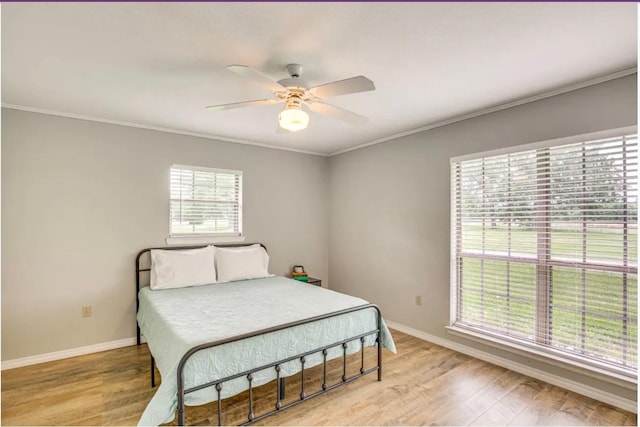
<point x="140" y="270"/>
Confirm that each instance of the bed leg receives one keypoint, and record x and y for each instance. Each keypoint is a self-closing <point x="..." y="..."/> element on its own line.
<point x="181" y="411"/>
<point x="181" y="393"/>
<point x="153" y="372"/>
<point x="379" y="360"/>
<point x="379" y="344"/>
<point x="282" y="384"/>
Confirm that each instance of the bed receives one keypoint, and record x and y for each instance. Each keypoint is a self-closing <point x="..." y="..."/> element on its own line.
<point x="214" y="341"/>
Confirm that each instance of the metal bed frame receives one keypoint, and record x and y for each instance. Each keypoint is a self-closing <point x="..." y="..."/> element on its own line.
<point x="280" y="381"/>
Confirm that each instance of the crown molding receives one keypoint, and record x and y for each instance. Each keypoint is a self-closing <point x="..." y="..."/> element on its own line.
<point x="155" y="128"/>
<point x="515" y="103"/>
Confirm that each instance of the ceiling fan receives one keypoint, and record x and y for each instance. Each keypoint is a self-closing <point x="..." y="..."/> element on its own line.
<point x="295" y="93"/>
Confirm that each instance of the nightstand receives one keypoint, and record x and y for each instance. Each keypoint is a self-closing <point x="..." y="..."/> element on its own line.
<point x="313" y="281"/>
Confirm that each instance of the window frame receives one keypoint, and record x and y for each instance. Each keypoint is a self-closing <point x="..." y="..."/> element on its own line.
<point x="196" y="238"/>
<point x="549" y="355"/>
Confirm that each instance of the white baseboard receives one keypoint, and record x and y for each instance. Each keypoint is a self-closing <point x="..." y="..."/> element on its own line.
<point x="577" y="387"/>
<point x="64" y="354"/>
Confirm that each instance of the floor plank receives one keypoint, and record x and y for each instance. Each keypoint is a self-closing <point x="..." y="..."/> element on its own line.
<point x="576" y="411"/>
<point x="424" y="384"/>
<point x="542" y="407"/>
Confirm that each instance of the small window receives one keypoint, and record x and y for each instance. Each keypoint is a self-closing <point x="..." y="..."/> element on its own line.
<point x="205" y="202"/>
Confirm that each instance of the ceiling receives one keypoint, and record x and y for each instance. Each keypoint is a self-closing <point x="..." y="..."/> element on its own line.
<point x="159" y="64"/>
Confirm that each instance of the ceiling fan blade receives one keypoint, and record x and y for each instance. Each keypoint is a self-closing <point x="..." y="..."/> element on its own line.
<point x="337" y="113"/>
<point x="242" y="104"/>
<point x="343" y="87"/>
<point x="256" y="76"/>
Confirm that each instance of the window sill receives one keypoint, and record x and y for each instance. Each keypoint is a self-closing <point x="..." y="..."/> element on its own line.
<point x="583" y="368"/>
<point x="203" y="240"/>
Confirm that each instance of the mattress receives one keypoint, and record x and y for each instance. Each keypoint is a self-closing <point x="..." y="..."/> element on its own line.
<point x="176" y="320"/>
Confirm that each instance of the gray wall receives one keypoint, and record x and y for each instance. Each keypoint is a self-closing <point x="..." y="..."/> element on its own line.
<point x="390" y="203"/>
<point x="80" y="199"/>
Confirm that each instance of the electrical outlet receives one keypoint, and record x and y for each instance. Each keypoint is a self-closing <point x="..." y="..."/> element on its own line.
<point x="418" y="299"/>
<point x="86" y="311"/>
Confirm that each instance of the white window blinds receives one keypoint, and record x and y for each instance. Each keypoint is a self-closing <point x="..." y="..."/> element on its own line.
<point x="205" y="202"/>
<point x="545" y="249"/>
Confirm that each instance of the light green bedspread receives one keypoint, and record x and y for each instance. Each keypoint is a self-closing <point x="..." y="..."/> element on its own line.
<point x="175" y="320"/>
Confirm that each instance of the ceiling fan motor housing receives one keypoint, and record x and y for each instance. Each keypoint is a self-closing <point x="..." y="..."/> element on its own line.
<point x="294" y="70"/>
<point x="294" y="102"/>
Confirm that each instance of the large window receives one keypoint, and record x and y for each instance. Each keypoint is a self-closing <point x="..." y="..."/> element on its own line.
<point x="545" y="250"/>
<point x="205" y="202"/>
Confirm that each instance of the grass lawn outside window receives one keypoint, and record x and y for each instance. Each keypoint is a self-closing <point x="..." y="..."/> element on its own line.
<point x="546" y="247"/>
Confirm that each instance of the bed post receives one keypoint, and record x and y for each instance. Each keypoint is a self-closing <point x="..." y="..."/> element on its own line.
<point x="137" y="299"/>
<point x="181" y="396"/>
<point x="379" y="344"/>
<point x="153" y="372"/>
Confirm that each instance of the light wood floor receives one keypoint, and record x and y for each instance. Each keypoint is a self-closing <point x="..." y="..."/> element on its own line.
<point x="424" y="384"/>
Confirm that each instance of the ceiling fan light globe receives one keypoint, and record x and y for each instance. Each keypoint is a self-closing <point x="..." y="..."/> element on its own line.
<point x="293" y="119"/>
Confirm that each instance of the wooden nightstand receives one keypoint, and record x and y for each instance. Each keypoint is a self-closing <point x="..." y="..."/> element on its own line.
<point x="313" y="281"/>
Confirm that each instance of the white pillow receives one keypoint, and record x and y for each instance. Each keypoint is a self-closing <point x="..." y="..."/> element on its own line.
<point x="245" y="262"/>
<point x="182" y="268"/>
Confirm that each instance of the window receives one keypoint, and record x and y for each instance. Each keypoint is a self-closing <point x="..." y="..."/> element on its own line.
<point x="545" y="250"/>
<point x="205" y="202"/>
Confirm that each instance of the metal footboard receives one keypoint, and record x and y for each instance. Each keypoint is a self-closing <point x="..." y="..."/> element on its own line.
<point x="279" y="406"/>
